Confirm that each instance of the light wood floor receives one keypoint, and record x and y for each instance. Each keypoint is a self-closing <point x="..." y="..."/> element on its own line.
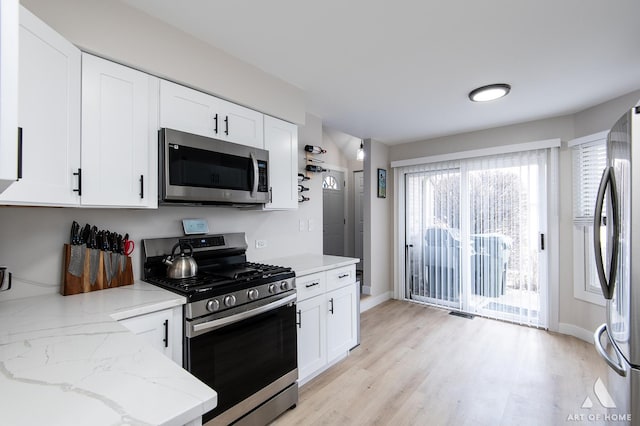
<point x="418" y="365"/>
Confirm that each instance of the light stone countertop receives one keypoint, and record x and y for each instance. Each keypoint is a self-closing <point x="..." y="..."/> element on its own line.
<point x="65" y="360"/>
<point x="305" y="264"/>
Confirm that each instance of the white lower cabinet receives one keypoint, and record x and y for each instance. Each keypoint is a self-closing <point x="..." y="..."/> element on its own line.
<point x="312" y="327"/>
<point x="341" y="321"/>
<point x="161" y="329"/>
<point x="327" y="322"/>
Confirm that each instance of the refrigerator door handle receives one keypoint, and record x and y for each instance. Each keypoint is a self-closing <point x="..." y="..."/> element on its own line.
<point x="618" y="365"/>
<point x="608" y="179"/>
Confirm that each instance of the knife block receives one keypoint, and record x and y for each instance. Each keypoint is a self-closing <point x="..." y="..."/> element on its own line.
<point x="72" y="284"/>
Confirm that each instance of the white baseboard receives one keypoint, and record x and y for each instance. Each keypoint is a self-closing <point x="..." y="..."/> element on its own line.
<point x="372" y="301"/>
<point x="575" y="331"/>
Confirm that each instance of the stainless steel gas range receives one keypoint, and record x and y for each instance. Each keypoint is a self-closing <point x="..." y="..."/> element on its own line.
<point x="239" y="325"/>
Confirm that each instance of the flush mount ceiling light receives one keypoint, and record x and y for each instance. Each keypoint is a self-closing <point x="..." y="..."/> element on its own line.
<point x="489" y="93"/>
<point x="360" y="152"/>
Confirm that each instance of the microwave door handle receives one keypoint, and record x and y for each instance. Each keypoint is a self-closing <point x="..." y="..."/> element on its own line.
<point x="254" y="184"/>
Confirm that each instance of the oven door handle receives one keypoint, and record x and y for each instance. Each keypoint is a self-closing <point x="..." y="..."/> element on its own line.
<point x="221" y="322"/>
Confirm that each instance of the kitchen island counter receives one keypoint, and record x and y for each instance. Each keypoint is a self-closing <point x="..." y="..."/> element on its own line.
<point x="65" y="360"/>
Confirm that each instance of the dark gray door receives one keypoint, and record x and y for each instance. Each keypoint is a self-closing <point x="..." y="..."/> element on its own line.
<point x="333" y="213"/>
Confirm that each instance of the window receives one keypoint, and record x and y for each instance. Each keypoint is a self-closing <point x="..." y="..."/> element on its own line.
<point x="589" y="159"/>
<point x="329" y="182"/>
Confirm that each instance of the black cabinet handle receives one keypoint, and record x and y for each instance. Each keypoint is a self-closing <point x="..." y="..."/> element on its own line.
<point x="19" y="152"/>
<point x="226" y="125"/>
<point x="166" y="333"/>
<point x="142" y="186"/>
<point x="313" y="284"/>
<point x="331" y="309"/>
<point x="215" y="120"/>
<point x="342" y="276"/>
<point x="79" y="188"/>
<point x="299" y="322"/>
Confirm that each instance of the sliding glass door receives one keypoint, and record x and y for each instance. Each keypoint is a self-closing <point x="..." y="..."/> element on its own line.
<point x="475" y="236"/>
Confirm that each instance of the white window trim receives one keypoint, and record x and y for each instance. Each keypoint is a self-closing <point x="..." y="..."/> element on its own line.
<point x="580" y="263"/>
<point x="475" y="153"/>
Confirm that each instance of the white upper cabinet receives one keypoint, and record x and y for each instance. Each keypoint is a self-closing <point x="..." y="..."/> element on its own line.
<point x="244" y="126"/>
<point x="49" y="115"/>
<point x="119" y="135"/>
<point x="189" y="110"/>
<point x="281" y="140"/>
<point x="8" y="92"/>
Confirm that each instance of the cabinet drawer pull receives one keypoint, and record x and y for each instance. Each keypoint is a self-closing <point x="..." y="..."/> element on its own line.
<point x="215" y="120"/>
<point x="79" y="189"/>
<point x="313" y="284"/>
<point x="142" y="186"/>
<point x="226" y="125"/>
<point x="299" y="322"/>
<point x="343" y="276"/>
<point x="19" y="152"/>
<point x="331" y="308"/>
<point x="166" y="333"/>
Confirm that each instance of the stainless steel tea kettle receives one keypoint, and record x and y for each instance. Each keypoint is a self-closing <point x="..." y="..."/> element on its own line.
<point x="182" y="266"/>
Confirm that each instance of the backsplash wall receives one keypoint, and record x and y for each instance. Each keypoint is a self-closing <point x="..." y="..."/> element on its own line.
<point x="33" y="238"/>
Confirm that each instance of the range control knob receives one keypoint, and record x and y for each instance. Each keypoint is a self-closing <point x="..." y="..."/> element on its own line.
<point x="213" y="305"/>
<point x="284" y="285"/>
<point x="272" y="288"/>
<point x="229" y="300"/>
<point x="253" y="294"/>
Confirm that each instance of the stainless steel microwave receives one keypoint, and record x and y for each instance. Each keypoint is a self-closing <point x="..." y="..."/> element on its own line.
<point x="195" y="169"/>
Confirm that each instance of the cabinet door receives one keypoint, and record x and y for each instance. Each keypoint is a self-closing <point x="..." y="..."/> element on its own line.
<point x="281" y="140"/>
<point x="188" y="110"/>
<point x="9" y="30"/>
<point x="341" y="321"/>
<point x="312" y="350"/>
<point x="119" y="135"/>
<point x="49" y="115"/>
<point x="161" y="329"/>
<point x="242" y="125"/>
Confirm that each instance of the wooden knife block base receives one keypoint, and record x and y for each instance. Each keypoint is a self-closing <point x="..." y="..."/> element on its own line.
<point x="72" y="284"/>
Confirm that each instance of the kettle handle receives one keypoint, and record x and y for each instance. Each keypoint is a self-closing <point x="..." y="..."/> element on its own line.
<point x="181" y="244"/>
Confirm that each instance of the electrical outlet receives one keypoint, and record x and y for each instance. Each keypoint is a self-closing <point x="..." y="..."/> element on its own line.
<point x="302" y="225"/>
<point x="261" y="244"/>
<point x="310" y="225"/>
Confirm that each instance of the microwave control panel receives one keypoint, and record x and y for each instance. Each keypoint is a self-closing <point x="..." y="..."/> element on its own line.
<point x="263" y="181"/>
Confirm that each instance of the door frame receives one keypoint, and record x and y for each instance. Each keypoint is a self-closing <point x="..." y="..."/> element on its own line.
<point x="402" y="167"/>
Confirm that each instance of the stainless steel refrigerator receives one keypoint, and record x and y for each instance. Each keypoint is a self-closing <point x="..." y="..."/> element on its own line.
<point x="618" y="263"/>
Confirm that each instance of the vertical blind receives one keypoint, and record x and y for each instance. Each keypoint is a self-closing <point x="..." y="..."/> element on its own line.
<point x="473" y="235"/>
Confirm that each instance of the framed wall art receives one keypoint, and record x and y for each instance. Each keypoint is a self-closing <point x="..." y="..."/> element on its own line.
<point x="382" y="183"/>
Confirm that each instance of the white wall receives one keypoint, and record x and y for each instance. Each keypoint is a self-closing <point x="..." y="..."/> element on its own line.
<point x="32" y="238"/>
<point x="572" y="312"/>
<point x="378" y="221"/>
<point x="116" y="31"/>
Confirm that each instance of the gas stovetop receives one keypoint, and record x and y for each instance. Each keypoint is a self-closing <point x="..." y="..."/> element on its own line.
<point x="222" y="266"/>
<point x="209" y="283"/>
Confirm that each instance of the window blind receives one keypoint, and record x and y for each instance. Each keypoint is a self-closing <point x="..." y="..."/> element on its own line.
<point x="589" y="161"/>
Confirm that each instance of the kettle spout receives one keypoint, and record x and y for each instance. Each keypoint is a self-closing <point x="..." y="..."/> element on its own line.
<point x="167" y="261"/>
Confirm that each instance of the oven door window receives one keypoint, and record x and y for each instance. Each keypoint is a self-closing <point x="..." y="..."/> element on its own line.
<point x="208" y="169"/>
<point x="240" y="359"/>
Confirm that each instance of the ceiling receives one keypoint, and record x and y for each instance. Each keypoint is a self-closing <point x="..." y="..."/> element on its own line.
<point x="400" y="71"/>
